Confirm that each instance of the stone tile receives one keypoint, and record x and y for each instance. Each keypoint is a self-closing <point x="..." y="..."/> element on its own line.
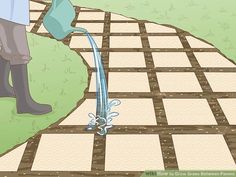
<point x="11" y="161"/>
<point x="80" y="115"/>
<point x="178" y="82"/>
<point x="125" y="42"/>
<point x="92" y="27"/>
<point x="196" y="43"/>
<point x="203" y="152"/>
<point x="156" y="28"/>
<point x="222" y="82"/>
<point x="64" y="152"/>
<point x="228" y="105"/>
<point x="133" y="153"/>
<point x="164" y="42"/>
<point x="42" y="29"/>
<point x="88" y="57"/>
<point x="125" y="28"/>
<point x="128" y="82"/>
<point x="35" y="15"/>
<point x="91" y="16"/>
<point x="119" y="17"/>
<point x="126" y="59"/>
<point x="135" y="112"/>
<point x="171" y="59"/>
<point x="83" y="42"/>
<point x="124" y="82"/>
<point x="131" y="112"/>
<point x="30" y="27"/>
<point x="36" y="6"/>
<point x="212" y="59"/>
<point x="188" y="112"/>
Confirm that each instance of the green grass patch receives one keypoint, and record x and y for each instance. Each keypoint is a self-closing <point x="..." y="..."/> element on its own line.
<point x="57" y="76"/>
<point x="212" y="20"/>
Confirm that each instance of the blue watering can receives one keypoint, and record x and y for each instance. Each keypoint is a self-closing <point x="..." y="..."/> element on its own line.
<point x="58" y="19"/>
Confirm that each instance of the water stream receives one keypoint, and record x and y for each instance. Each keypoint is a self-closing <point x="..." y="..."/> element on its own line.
<point x="104" y="116"/>
<point x="57" y="21"/>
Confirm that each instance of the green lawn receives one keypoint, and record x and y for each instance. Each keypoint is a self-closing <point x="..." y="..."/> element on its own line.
<point x="212" y="20"/>
<point x="57" y="76"/>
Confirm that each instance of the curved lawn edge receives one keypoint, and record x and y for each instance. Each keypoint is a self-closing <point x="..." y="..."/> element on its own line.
<point x="57" y="76"/>
<point x="212" y="21"/>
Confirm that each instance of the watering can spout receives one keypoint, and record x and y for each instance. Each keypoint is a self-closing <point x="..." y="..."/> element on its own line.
<point x="79" y="29"/>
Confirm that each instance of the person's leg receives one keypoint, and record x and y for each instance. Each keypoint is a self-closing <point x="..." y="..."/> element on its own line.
<point x="24" y="101"/>
<point x="6" y="89"/>
<point x="17" y="52"/>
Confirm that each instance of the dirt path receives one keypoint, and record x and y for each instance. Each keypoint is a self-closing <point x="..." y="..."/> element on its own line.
<point x="178" y="97"/>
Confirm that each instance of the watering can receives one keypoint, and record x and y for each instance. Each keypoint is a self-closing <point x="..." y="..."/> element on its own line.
<point x="58" y="19"/>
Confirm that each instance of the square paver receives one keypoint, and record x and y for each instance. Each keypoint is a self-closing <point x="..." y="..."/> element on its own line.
<point x="80" y="115"/>
<point x="165" y="42"/>
<point x="83" y="42"/>
<point x="156" y="28"/>
<point x="188" y="112"/>
<point x="171" y="59"/>
<point x="133" y="153"/>
<point x="92" y="27"/>
<point x="35" y="15"/>
<point x="178" y="82"/>
<point x="203" y="152"/>
<point x="119" y="17"/>
<point x="128" y="82"/>
<point x="125" y="28"/>
<point x="88" y="57"/>
<point x="64" y="152"/>
<point x="125" y="42"/>
<point x="212" y="59"/>
<point x="126" y="59"/>
<point x="11" y="161"/>
<point x="36" y="6"/>
<point x="135" y="112"/>
<point x="30" y="27"/>
<point x="91" y="16"/>
<point x="228" y="105"/>
<point x="222" y="82"/>
<point x="196" y="43"/>
<point x="42" y="29"/>
<point x="124" y="82"/>
<point x="131" y="112"/>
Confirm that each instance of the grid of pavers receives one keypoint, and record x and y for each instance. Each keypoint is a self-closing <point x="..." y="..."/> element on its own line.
<point x="178" y="97"/>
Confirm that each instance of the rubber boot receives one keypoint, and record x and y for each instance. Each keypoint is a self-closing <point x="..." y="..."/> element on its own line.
<point x="6" y="89"/>
<point x="24" y="101"/>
